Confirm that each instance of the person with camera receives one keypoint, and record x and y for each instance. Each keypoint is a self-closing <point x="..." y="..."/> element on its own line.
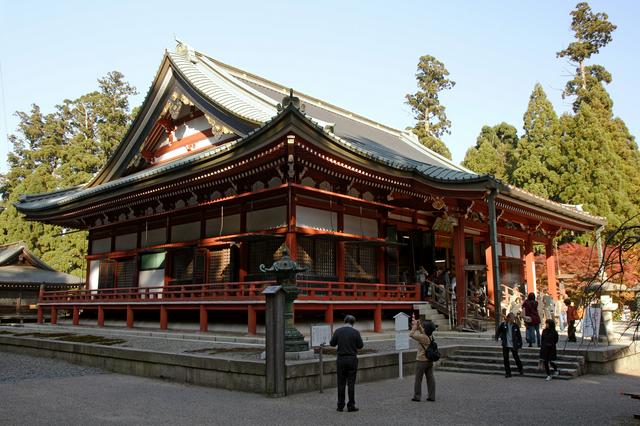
<point x="509" y="332"/>
<point x="422" y="332"/>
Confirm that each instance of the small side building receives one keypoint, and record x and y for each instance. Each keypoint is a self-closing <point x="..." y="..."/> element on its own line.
<point x="21" y="276"/>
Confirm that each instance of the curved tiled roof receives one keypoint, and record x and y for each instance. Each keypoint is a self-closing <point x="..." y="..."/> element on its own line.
<point x="255" y="100"/>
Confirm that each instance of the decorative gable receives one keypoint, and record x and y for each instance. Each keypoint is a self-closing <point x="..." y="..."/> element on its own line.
<point x="182" y="129"/>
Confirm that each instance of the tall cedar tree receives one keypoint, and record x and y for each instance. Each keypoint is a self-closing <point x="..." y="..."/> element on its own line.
<point x="494" y="151"/>
<point x="537" y="155"/>
<point x="58" y="150"/>
<point x="601" y="169"/>
<point x="432" y="120"/>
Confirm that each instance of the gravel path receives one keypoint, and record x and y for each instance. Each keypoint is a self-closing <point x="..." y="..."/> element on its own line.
<point x="16" y="368"/>
<point x="55" y="392"/>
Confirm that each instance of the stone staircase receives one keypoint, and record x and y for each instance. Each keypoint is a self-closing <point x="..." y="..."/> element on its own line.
<point x="488" y="360"/>
<point x="427" y="312"/>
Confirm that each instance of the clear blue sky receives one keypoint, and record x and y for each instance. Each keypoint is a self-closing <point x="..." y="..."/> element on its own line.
<point x="360" y="55"/>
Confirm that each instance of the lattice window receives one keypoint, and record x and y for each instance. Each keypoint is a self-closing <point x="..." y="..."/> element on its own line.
<point x="318" y="255"/>
<point x="106" y="276"/>
<point x="360" y="263"/>
<point x="125" y="272"/>
<point x="200" y="266"/>
<point x="263" y="252"/>
<point x="393" y="265"/>
<point x="220" y="265"/>
<point x="182" y="266"/>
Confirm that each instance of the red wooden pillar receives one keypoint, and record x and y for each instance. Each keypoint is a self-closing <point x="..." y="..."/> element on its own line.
<point x="530" y="266"/>
<point x="489" y="261"/>
<point x="40" y="315"/>
<point x="100" y="316"/>
<point x="461" y="279"/>
<point x="251" y="319"/>
<point x="164" y="317"/>
<point x="377" y="319"/>
<point x="54" y="315"/>
<point x="129" y="317"/>
<point x="328" y="315"/>
<point x="551" y="269"/>
<point x="204" y="319"/>
<point x="76" y="315"/>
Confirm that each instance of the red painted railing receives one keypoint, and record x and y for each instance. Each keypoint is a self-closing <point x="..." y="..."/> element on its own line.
<point x="235" y="291"/>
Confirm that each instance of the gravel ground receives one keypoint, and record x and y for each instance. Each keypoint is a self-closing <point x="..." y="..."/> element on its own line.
<point x="45" y="392"/>
<point x="16" y="368"/>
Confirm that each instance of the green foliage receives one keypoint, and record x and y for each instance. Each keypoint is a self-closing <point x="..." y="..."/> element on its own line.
<point x="537" y="155"/>
<point x="432" y="77"/>
<point x="587" y="158"/>
<point x="592" y="31"/>
<point x="58" y="150"/>
<point x="494" y="151"/>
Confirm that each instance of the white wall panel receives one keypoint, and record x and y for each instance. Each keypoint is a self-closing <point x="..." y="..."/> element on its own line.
<point x="102" y="245"/>
<point x="266" y="218"/>
<point x="126" y="241"/>
<point x="230" y="225"/>
<point x="185" y="232"/>
<point x="316" y="218"/>
<point x="360" y="226"/>
<point x="153" y="237"/>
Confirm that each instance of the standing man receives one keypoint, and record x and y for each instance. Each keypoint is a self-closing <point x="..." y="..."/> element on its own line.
<point x="509" y="333"/>
<point x="349" y="341"/>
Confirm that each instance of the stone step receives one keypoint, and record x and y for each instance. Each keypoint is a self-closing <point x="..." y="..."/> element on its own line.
<point x="496" y="360"/>
<point x="495" y="372"/>
<point x="523" y="355"/>
<point x="497" y="353"/>
<point x="499" y="368"/>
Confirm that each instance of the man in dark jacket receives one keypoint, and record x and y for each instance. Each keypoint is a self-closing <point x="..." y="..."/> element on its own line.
<point x="348" y="340"/>
<point x="509" y="333"/>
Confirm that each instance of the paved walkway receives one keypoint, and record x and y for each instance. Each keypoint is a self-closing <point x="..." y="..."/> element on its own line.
<point x="39" y="391"/>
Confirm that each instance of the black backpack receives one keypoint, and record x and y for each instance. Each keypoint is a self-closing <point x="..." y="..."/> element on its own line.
<point x="432" y="353"/>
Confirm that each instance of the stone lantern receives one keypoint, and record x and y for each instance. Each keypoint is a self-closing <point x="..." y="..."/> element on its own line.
<point x="286" y="269"/>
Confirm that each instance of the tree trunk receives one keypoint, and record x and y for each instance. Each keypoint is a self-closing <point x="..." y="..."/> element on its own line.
<point x="584" y="77"/>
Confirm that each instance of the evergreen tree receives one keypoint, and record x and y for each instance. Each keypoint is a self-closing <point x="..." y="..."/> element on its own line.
<point x="432" y="120"/>
<point x="537" y="155"/>
<point x="593" y="32"/>
<point x="602" y="164"/>
<point x="59" y="150"/>
<point x="494" y="151"/>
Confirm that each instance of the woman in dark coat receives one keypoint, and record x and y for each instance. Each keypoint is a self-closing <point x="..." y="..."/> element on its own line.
<point x="530" y="313"/>
<point x="548" y="348"/>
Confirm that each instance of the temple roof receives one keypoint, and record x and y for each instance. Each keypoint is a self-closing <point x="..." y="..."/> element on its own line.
<point x="254" y="102"/>
<point x="19" y="266"/>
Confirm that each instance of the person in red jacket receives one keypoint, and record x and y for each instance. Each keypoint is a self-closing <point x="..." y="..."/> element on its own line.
<point x="572" y="317"/>
<point x="531" y="319"/>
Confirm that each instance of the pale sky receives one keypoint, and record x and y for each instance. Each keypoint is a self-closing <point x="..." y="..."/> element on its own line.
<point x="359" y="55"/>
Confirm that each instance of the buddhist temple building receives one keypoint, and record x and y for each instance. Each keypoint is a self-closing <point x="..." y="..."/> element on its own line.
<point x="222" y="168"/>
<point x="22" y="277"/>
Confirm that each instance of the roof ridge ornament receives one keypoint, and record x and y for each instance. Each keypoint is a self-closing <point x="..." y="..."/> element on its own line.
<point x="292" y="101"/>
<point x="187" y="51"/>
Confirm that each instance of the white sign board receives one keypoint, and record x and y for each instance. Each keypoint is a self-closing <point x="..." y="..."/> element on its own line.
<point x="401" y="321"/>
<point x="320" y="335"/>
<point x="402" y="340"/>
<point x="591" y="322"/>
